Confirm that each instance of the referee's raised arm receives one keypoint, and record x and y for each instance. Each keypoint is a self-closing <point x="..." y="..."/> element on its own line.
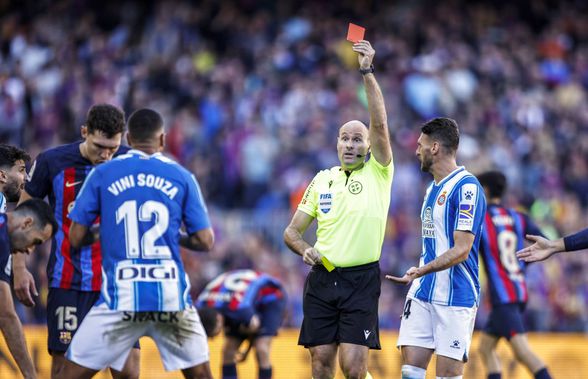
<point x="378" y="130"/>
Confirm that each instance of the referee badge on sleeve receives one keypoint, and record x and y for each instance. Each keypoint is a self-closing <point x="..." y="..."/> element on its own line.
<point x="325" y="202"/>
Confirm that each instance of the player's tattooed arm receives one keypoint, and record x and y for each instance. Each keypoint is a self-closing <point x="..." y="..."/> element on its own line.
<point x="457" y="254"/>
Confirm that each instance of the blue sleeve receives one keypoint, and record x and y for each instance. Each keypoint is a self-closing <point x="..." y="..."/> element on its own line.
<point x="39" y="177"/>
<point x="87" y="204"/>
<point x="195" y="215"/>
<point x="471" y="207"/>
<point x="577" y="241"/>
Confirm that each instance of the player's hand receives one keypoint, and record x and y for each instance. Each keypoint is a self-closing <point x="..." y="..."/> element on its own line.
<point x="366" y="53"/>
<point x="24" y="286"/>
<point x="539" y="251"/>
<point x="411" y="274"/>
<point x="311" y="256"/>
<point x="241" y="355"/>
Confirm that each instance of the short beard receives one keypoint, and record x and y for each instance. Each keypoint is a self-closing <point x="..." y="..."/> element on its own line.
<point x="426" y="165"/>
<point x="12" y="194"/>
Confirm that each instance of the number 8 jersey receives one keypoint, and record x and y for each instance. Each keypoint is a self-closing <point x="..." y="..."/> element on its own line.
<point x="142" y="201"/>
<point x="504" y="234"/>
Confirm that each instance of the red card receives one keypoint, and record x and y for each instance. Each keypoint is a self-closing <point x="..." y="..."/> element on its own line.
<point x="355" y="33"/>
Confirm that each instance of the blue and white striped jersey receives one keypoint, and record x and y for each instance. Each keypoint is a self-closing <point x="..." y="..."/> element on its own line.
<point x="142" y="201"/>
<point x="456" y="203"/>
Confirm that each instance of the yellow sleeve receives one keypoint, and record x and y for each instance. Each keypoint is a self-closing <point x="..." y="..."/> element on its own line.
<point x="309" y="201"/>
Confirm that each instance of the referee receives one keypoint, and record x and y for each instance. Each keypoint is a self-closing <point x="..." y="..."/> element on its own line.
<point x="350" y="203"/>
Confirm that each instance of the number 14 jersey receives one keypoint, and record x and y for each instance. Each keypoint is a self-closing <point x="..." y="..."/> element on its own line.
<point x="142" y="201"/>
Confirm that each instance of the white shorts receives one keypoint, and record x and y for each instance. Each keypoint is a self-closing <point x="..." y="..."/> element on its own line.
<point x="445" y="329"/>
<point x="105" y="338"/>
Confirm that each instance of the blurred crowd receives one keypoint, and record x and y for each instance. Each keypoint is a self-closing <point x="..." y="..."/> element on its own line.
<point x="253" y="93"/>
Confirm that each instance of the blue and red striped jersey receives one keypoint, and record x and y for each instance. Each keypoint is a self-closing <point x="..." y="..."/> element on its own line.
<point x="58" y="174"/>
<point x="238" y="294"/>
<point x="504" y="234"/>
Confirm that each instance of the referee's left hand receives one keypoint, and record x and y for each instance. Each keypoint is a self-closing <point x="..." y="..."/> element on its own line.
<point x="311" y="256"/>
<point x="410" y="275"/>
<point x="366" y="53"/>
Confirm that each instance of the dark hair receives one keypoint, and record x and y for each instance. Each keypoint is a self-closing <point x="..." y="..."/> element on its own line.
<point x="143" y="124"/>
<point x="40" y="211"/>
<point x="10" y="154"/>
<point x="443" y="130"/>
<point x="105" y="118"/>
<point x="494" y="182"/>
<point x="208" y="317"/>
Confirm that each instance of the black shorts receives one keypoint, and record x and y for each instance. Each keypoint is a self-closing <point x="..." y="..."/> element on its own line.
<point x="65" y="311"/>
<point x="341" y="306"/>
<point x="506" y="320"/>
<point x="270" y="317"/>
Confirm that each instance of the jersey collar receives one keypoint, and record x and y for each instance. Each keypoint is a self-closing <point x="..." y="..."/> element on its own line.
<point x="143" y="154"/>
<point x="448" y="177"/>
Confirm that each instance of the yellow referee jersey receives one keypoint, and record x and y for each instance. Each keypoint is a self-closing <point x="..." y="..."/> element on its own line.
<point x="351" y="211"/>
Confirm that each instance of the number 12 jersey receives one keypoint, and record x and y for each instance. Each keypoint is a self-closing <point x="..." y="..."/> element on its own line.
<point x="142" y="201"/>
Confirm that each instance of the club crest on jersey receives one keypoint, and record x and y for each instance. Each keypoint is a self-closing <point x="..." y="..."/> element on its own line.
<point x="65" y="337"/>
<point x="355" y="187"/>
<point x="441" y="198"/>
<point x="325" y="202"/>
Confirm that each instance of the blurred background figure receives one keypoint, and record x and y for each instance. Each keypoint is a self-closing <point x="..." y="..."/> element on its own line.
<point x="504" y="233"/>
<point x="249" y="306"/>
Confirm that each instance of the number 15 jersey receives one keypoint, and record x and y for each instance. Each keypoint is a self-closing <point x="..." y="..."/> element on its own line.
<point x="142" y="201"/>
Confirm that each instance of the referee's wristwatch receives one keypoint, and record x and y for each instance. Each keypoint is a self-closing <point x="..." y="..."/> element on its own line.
<point x="369" y="70"/>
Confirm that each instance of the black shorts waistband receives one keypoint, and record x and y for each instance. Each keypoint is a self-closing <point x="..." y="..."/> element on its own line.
<point x="366" y="266"/>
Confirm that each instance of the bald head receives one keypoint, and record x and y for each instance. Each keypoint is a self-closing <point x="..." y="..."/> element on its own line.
<point x="354" y="126"/>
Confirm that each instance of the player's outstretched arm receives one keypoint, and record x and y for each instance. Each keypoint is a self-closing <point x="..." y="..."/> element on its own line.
<point x="411" y="274"/>
<point x="202" y="240"/>
<point x="463" y="242"/>
<point x="378" y="130"/>
<point x="541" y="249"/>
<point x="13" y="334"/>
